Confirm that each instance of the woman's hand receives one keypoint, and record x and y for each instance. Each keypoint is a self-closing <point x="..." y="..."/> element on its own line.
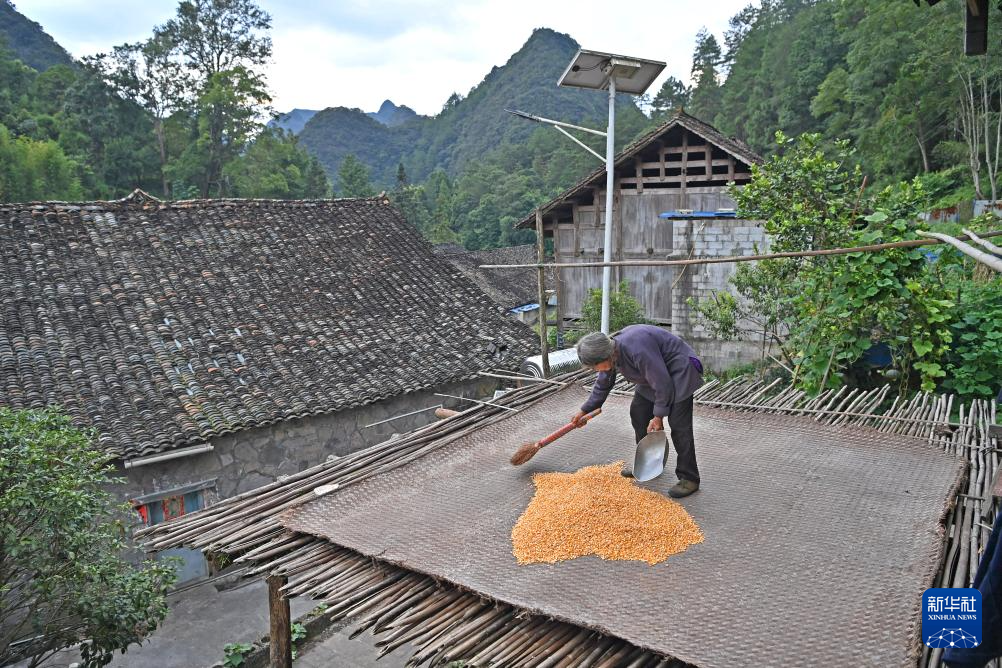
<point x="578" y="419"/>
<point x="656" y="424"/>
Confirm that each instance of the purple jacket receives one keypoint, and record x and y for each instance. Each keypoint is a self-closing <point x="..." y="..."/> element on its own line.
<point x="662" y="366"/>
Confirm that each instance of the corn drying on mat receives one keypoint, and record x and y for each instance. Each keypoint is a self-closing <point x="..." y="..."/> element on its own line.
<point x="818" y="540"/>
<point x="595" y="510"/>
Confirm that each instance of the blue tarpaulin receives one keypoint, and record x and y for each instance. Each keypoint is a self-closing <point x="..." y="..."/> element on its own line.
<point x="525" y="307"/>
<point x="699" y="214"/>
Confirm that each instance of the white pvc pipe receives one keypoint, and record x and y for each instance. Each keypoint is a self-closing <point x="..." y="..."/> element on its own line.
<point x="610" y="158"/>
<point x="979" y="255"/>
<point x="172" y="454"/>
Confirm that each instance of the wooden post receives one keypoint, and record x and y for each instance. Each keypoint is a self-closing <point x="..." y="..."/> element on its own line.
<point x="684" y="199"/>
<point x="280" y="635"/>
<point x="557" y="283"/>
<point x="541" y="258"/>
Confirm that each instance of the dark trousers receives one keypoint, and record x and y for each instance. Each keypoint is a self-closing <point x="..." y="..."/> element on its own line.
<point x="680" y="423"/>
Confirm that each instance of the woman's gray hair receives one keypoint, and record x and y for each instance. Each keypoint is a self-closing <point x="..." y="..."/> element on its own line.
<point x="595" y="348"/>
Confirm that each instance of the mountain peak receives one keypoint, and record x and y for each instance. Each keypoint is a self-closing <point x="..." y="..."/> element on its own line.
<point x="467" y="129"/>
<point x="547" y="38"/>
<point x="294" y="121"/>
<point x="28" y="40"/>
<point x="391" y="115"/>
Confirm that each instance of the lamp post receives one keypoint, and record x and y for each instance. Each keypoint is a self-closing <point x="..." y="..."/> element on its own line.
<point x="596" y="70"/>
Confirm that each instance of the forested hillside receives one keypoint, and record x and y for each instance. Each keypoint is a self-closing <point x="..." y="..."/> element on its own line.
<point x="156" y="115"/>
<point x="889" y="76"/>
<point x="28" y="41"/>
<point x="467" y="127"/>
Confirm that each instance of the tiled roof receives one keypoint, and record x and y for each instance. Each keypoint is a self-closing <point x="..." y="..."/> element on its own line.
<point x="164" y="325"/>
<point x="734" y="146"/>
<point x="507" y="287"/>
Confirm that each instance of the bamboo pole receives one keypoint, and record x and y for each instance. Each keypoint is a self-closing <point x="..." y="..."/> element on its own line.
<point x="911" y="243"/>
<point x="544" y="346"/>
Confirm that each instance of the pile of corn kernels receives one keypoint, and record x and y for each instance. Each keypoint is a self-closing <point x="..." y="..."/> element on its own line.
<point x="597" y="511"/>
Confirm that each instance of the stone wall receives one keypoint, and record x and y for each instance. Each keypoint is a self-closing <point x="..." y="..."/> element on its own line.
<point x="248" y="459"/>
<point x="711" y="237"/>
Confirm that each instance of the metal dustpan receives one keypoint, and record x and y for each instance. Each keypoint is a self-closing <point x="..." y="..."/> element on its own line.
<point x="649" y="461"/>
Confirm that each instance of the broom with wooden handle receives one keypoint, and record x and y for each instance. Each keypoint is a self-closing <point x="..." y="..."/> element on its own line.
<point x="529" y="450"/>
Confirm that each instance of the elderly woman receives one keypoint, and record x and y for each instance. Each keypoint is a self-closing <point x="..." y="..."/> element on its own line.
<point x="666" y="373"/>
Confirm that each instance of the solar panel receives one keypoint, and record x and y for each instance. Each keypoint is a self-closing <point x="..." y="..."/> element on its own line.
<point x="593" y="69"/>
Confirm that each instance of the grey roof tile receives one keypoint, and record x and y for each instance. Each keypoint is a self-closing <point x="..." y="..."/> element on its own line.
<point x="164" y="325"/>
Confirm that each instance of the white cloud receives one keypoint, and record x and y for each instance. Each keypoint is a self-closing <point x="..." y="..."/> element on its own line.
<point x="415" y="52"/>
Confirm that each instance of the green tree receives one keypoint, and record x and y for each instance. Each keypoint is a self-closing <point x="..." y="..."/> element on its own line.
<point x="852" y="302"/>
<point x="224" y="45"/>
<point x="826" y="312"/>
<point x="777" y="56"/>
<point x="216" y="36"/>
<point x="672" y="95"/>
<point x="353" y="178"/>
<point x="108" y="136"/>
<point x="16" y="80"/>
<point x="806" y="193"/>
<point x="62" y="579"/>
<point x="705" y="95"/>
<point x="440" y="198"/>
<point x="624" y="310"/>
<point x="227" y="113"/>
<point x="274" y="166"/>
<point x="152" y="75"/>
<point x="410" y="201"/>
<point x="807" y="198"/>
<point x="738" y="28"/>
<point x="975" y="357"/>
<point x="35" y="170"/>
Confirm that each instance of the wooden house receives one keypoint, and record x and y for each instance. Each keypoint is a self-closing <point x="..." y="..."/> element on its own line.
<point x="682" y="168"/>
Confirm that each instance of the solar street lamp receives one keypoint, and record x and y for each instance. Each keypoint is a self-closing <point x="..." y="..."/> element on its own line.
<point x="597" y="70"/>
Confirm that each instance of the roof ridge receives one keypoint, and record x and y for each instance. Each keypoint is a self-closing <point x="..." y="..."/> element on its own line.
<point x="140" y="197"/>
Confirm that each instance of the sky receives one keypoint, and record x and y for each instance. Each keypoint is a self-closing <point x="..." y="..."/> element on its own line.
<point x="414" y="52"/>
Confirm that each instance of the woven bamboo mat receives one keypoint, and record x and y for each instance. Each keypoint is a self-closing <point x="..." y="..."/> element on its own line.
<point x="818" y="540"/>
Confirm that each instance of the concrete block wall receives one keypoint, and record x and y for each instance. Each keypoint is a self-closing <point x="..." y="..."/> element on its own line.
<point x="718" y="356"/>
<point x="715" y="237"/>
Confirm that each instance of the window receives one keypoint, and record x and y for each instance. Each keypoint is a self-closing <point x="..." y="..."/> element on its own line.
<point x="171" y="504"/>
